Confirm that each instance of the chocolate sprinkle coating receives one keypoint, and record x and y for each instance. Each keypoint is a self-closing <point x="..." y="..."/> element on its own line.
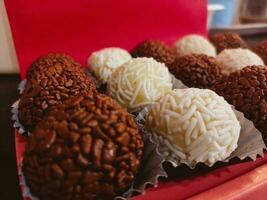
<point x="261" y="49"/>
<point x="196" y="70"/>
<point x="227" y="40"/>
<point x="49" y="60"/>
<point x="49" y="87"/>
<point x="247" y="91"/>
<point x="87" y="148"/>
<point x="155" y="49"/>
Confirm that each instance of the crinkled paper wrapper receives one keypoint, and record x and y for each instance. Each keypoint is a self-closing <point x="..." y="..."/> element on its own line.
<point x="17" y="125"/>
<point x="14" y="111"/>
<point x="150" y="169"/>
<point x="250" y="143"/>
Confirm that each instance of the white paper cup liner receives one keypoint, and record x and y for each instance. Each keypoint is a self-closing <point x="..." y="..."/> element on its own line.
<point x="21" y="86"/>
<point x="149" y="172"/>
<point x="250" y="142"/>
<point x="17" y="125"/>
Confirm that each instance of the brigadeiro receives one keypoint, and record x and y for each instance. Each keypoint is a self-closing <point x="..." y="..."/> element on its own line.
<point x="194" y="44"/>
<point x="261" y="49"/>
<point x="196" y="70"/>
<point x="155" y="49"/>
<point x="49" y="86"/>
<point x="51" y="59"/>
<point x="139" y="82"/>
<point x="247" y="91"/>
<point x="87" y="148"/>
<point x="232" y="60"/>
<point x="227" y="40"/>
<point x="193" y="125"/>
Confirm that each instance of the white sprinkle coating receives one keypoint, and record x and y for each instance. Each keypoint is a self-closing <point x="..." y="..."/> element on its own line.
<point x="105" y="61"/>
<point x="139" y="82"/>
<point x="194" y="44"/>
<point x="235" y="59"/>
<point x="199" y="132"/>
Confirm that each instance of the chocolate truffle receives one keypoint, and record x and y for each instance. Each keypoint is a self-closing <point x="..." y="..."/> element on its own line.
<point x="87" y="148"/>
<point x="194" y="44"/>
<point x="196" y="70"/>
<point x="49" y="87"/>
<point x="155" y="49"/>
<point x="195" y="125"/>
<point x="49" y="60"/>
<point x="261" y="50"/>
<point x="139" y="82"/>
<point x="227" y="40"/>
<point x="232" y="60"/>
<point x="247" y="91"/>
<point x="104" y="62"/>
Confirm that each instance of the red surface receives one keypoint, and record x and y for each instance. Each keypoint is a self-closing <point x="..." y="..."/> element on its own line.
<point x="81" y="26"/>
<point x="238" y="181"/>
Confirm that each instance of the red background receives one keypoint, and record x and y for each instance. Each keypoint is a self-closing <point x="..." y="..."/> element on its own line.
<point x="82" y="26"/>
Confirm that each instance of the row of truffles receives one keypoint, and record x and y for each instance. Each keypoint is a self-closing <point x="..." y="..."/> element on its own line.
<point x="193" y="125"/>
<point x="133" y="82"/>
<point x="192" y="59"/>
<point x="83" y="145"/>
<point x="87" y="148"/>
<point x="51" y="80"/>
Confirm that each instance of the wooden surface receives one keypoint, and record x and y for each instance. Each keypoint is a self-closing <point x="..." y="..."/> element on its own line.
<point x="9" y="188"/>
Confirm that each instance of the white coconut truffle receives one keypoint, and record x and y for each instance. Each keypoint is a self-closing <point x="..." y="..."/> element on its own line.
<point x="235" y="59"/>
<point x="139" y="82"/>
<point x="194" y="125"/>
<point x="194" y="44"/>
<point x="105" y="61"/>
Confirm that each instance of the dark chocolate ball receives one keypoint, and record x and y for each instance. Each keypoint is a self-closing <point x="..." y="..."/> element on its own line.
<point x="261" y="49"/>
<point x="87" y="148"/>
<point x="196" y="70"/>
<point x="155" y="49"/>
<point x="49" y="87"/>
<point x="247" y="91"/>
<point x="227" y="40"/>
<point x="51" y="60"/>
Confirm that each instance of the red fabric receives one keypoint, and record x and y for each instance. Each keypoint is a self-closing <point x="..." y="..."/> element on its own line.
<point x="81" y="26"/>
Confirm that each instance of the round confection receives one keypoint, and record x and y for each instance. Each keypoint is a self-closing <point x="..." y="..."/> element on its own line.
<point x="196" y="70"/>
<point x="155" y="49"/>
<point x="227" y="40"/>
<point x="194" y="44"/>
<point x="139" y="82"/>
<point x="104" y="62"/>
<point x="232" y="60"/>
<point x="51" y="59"/>
<point x="49" y="87"/>
<point x="261" y="50"/>
<point x="247" y="91"/>
<point x="87" y="148"/>
<point x="195" y="125"/>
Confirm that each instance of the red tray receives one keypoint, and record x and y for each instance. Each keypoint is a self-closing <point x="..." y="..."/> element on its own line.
<point x="246" y="180"/>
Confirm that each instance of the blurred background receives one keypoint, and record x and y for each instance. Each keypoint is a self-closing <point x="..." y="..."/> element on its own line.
<point x="245" y="17"/>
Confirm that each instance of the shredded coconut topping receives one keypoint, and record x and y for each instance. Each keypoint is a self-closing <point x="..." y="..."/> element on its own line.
<point x="139" y="82"/>
<point x="196" y="125"/>
<point x="105" y="61"/>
